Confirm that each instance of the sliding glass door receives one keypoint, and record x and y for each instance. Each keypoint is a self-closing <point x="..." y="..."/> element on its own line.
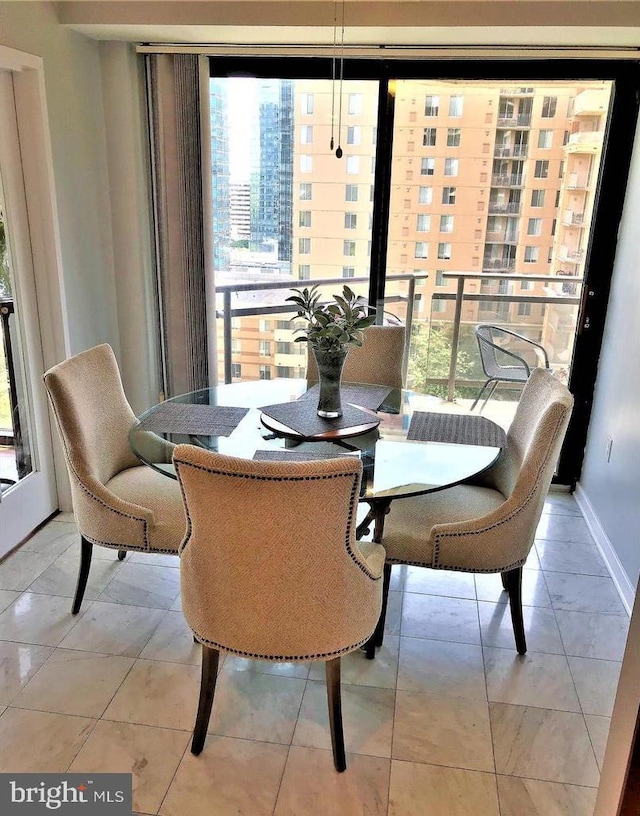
<point x="490" y="196"/>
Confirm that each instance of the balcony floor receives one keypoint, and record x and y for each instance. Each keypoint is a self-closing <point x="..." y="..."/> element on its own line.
<point x="435" y="725"/>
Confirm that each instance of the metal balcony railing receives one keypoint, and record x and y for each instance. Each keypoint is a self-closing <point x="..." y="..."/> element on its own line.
<point x="499" y="208"/>
<point x="253" y="309"/>
<point x="12" y="436"/>
<point x="460" y="296"/>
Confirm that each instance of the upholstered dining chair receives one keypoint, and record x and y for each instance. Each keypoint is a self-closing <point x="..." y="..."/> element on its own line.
<point x="272" y="570"/>
<point x="378" y="361"/>
<point x="117" y="501"/>
<point x="488" y="526"/>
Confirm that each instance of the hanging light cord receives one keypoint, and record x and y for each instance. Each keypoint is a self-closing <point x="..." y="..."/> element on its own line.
<point x="333" y="69"/>
<point x="339" y="148"/>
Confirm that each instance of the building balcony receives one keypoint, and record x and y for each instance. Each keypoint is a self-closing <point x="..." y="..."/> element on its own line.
<point x="502" y="237"/>
<point x="520" y="120"/>
<point x="585" y="142"/>
<point x="507" y="180"/>
<point x="573" y="219"/>
<point x="498" y="264"/>
<point x="500" y="208"/>
<point x="570" y="255"/>
<point x="510" y="151"/>
<point x="577" y="181"/>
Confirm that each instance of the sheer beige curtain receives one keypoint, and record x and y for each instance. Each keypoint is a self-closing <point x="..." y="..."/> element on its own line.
<point x="180" y="194"/>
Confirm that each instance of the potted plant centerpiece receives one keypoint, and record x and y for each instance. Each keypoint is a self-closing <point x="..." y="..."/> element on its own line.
<point x="331" y="329"/>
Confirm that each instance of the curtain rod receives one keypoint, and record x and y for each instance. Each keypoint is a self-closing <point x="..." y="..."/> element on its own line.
<point x="397" y="51"/>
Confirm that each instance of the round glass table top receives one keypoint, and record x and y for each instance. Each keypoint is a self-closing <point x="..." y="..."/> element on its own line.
<point x="406" y="449"/>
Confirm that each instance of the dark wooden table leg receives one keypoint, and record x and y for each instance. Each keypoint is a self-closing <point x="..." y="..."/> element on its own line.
<point x="378" y="511"/>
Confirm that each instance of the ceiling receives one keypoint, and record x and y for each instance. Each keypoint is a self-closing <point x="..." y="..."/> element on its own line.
<point x="599" y="24"/>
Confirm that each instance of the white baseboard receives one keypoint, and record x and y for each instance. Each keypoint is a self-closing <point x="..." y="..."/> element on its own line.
<point x="625" y="588"/>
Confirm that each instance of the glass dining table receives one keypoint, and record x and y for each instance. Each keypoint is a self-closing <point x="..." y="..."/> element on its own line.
<point x="405" y="448"/>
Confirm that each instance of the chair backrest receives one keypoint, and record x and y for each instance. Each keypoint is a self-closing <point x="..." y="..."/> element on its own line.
<point x="492" y="357"/>
<point x="378" y="361"/>
<point x="268" y="568"/>
<point x="92" y="415"/>
<point x="534" y="437"/>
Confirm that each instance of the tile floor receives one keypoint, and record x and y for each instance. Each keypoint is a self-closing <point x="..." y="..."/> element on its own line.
<point x="447" y="721"/>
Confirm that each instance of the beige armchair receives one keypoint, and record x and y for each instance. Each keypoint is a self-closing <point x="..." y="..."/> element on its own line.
<point x="117" y="501"/>
<point x="378" y="361"/>
<point x="271" y="569"/>
<point x="490" y="525"/>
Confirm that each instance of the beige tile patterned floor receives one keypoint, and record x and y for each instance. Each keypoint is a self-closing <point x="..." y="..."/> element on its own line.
<point x="447" y="721"/>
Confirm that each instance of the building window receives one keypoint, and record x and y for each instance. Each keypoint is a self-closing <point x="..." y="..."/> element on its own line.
<point x="264" y="348"/>
<point x="353" y="165"/>
<point x="353" y="135"/>
<point x="448" y="195"/>
<point x="354" y="104"/>
<point x="425" y="195"/>
<point x="236" y="371"/>
<point x="304" y="246"/>
<point x="351" y="192"/>
<point x="455" y="105"/>
<point x="283" y="371"/>
<point x="429" y="137"/>
<point x="438" y="305"/>
<point x="446" y="223"/>
<point x="545" y="138"/>
<point x="283" y="324"/>
<point x="534" y="226"/>
<point x="541" y="169"/>
<point x="531" y="254"/>
<point x="423" y="222"/>
<point x="304" y="271"/>
<point x="283" y="347"/>
<point x="350" y="220"/>
<point x="264" y="372"/>
<point x="440" y="278"/>
<point x="553" y="227"/>
<point x="306" y="163"/>
<point x="524" y="309"/>
<point x="444" y="252"/>
<point x="549" y="107"/>
<point x="451" y="167"/>
<point x="427" y="167"/>
<point x="422" y="249"/>
<point x="453" y="137"/>
<point x="348" y="271"/>
<point x="306" y="134"/>
<point x="526" y="285"/>
<point x="537" y="198"/>
<point x="305" y="191"/>
<point x="264" y="325"/>
<point x="349" y="248"/>
<point x="304" y="218"/>
<point x="236" y="345"/>
<point x="431" y="105"/>
<point x="306" y="103"/>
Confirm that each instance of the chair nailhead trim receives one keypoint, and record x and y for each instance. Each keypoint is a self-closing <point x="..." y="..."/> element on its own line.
<point x="280" y="658"/>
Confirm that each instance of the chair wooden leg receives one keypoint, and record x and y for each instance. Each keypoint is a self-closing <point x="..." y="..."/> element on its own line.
<point x="514" y="588"/>
<point x="334" y="701"/>
<point x="505" y="583"/>
<point x="210" y="658"/>
<point x="86" y="549"/>
<point x="378" y="633"/>
<point x="122" y="554"/>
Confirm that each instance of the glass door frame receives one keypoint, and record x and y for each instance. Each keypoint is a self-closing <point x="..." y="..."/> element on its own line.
<point x="608" y="205"/>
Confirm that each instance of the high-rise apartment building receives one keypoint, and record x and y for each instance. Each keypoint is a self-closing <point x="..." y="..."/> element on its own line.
<point x="486" y="178"/>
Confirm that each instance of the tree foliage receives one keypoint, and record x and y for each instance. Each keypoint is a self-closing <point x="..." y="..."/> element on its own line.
<point x="430" y="358"/>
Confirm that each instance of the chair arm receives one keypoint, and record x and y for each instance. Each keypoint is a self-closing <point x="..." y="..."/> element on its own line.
<point x="508" y="353"/>
<point x="494" y="542"/>
<point x="370" y="556"/>
<point x="97" y="491"/>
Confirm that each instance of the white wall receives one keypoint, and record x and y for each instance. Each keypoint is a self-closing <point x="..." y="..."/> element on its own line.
<point x="76" y="122"/>
<point x="612" y="489"/>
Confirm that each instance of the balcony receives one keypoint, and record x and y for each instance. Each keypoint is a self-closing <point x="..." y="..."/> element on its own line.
<point x="573" y="219"/>
<point x="504" y="208"/>
<point x="570" y="255"/>
<point x="454" y="313"/>
<point x="510" y="151"/>
<point x="577" y="181"/>
<point x="502" y="237"/>
<point x="497" y="264"/>
<point x="507" y="180"/>
<point x="585" y="142"/>
<point x="520" y="120"/>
